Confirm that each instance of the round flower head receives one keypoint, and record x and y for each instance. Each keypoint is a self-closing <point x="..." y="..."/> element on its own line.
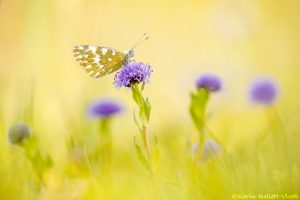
<point x="134" y="72"/>
<point x="104" y="109"/>
<point x="264" y="91"/>
<point x="210" y="149"/>
<point x="18" y="133"/>
<point x="209" y="81"/>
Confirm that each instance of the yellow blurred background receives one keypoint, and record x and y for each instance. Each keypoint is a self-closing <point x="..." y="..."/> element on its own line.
<point x="237" y="40"/>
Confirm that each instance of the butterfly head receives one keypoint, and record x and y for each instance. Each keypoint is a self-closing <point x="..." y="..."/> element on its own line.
<point x="129" y="56"/>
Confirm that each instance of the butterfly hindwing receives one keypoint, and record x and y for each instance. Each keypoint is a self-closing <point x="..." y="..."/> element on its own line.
<point x="98" y="61"/>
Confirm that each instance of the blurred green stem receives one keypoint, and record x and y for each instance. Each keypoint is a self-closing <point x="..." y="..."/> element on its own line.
<point x="274" y="126"/>
<point x="198" y="104"/>
<point x="274" y="121"/>
<point x="105" y="142"/>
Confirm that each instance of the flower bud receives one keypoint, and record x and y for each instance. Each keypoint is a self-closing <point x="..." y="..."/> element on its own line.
<point x="18" y="133"/>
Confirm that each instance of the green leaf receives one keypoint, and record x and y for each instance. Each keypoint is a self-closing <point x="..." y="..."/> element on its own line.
<point x="136" y="121"/>
<point x="48" y="161"/>
<point x="143" y="86"/>
<point x="141" y="156"/>
<point x="143" y="104"/>
<point x="135" y="95"/>
<point x="147" y="108"/>
<point x="142" y="115"/>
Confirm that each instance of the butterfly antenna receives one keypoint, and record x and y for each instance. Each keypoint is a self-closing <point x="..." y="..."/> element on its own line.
<point x="141" y="40"/>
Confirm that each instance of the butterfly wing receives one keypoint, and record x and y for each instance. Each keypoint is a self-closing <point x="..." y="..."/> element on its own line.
<point x="98" y="61"/>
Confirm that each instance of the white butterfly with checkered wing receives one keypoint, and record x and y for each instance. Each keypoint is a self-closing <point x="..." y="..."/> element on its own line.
<point x="100" y="61"/>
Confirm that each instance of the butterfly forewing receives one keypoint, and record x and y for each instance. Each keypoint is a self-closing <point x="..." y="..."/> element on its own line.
<point x="98" y="61"/>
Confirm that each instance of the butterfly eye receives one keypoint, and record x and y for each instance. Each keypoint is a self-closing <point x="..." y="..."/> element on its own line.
<point x="131" y="53"/>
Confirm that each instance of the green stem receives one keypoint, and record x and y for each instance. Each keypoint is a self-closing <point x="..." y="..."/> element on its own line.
<point x="144" y="113"/>
<point x="105" y="142"/>
<point x="277" y="130"/>
<point x="87" y="159"/>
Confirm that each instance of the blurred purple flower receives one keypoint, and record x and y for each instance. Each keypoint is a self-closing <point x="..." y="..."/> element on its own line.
<point x="18" y="133"/>
<point x="209" y="81"/>
<point x="210" y="149"/>
<point x="104" y="108"/>
<point x="135" y="72"/>
<point x="264" y="91"/>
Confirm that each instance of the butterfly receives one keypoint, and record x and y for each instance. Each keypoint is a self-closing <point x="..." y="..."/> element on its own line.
<point x="100" y="61"/>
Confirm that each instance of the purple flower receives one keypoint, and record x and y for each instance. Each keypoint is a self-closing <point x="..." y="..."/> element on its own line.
<point x="209" y="81"/>
<point x="18" y="133"/>
<point x="210" y="149"/>
<point x="104" y="108"/>
<point x="264" y="91"/>
<point x="135" y="72"/>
